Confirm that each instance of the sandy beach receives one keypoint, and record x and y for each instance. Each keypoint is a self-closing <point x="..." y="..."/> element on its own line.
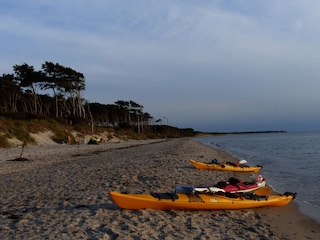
<point x="61" y="192"/>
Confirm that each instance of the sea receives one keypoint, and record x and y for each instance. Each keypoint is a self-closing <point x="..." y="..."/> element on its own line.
<point x="291" y="162"/>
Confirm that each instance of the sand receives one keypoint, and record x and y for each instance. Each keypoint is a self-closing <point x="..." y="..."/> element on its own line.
<point x="61" y="192"/>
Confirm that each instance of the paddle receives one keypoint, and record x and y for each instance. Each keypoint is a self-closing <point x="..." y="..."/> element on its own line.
<point x="264" y="191"/>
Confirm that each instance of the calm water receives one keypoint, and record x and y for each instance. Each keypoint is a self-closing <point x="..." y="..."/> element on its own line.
<point x="291" y="162"/>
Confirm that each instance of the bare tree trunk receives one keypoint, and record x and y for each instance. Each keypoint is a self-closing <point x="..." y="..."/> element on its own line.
<point x="92" y="130"/>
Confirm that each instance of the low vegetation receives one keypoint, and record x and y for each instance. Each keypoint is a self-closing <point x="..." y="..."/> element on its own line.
<point x="20" y="129"/>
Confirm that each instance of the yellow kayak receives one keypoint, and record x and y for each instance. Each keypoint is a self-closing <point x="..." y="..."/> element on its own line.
<point x="225" y="167"/>
<point x="193" y="201"/>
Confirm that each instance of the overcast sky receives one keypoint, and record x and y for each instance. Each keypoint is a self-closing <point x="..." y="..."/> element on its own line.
<point x="205" y="64"/>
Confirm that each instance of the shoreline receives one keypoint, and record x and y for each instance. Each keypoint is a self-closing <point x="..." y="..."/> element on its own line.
<point x="62" y="192"/>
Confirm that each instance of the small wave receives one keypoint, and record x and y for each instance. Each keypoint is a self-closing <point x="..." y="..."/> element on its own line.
<point x="218" y="145"/>
<point x="310" y="204"/>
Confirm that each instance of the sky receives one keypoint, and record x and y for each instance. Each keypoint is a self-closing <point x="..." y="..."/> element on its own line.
<point x="210" y="65"/>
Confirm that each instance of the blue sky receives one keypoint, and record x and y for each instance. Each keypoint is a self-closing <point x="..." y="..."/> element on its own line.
<point x="206" y="64"/>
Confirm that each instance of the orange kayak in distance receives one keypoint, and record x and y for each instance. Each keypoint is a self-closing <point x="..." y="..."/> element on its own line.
<point x="225" y="167"/>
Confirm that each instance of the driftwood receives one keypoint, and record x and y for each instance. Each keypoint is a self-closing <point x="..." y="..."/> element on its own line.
<point x="20" y="158"/>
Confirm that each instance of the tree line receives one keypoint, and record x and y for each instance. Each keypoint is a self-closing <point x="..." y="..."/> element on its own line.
<point x="56" y="91"/>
